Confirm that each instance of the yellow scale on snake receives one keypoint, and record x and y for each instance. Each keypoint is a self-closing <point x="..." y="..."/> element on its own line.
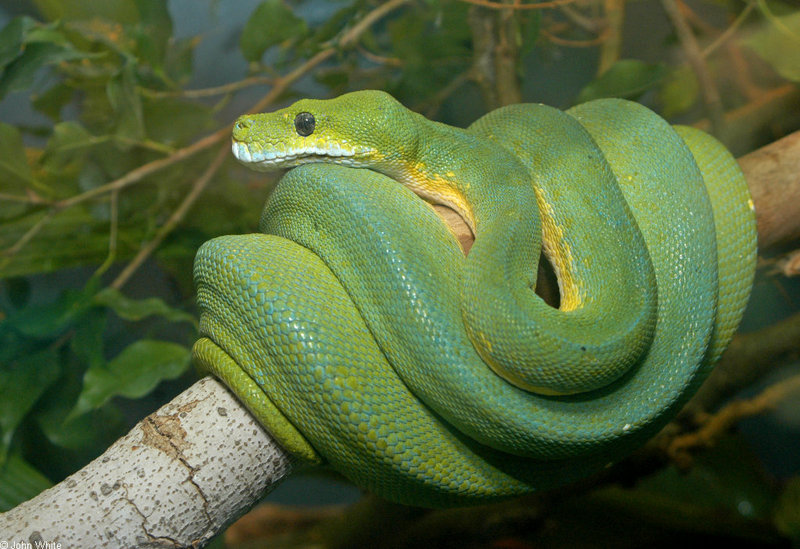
<point x="359" y="334"/>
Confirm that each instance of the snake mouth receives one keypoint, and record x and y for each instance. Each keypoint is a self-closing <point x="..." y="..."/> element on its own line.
<point x="280" y="156"/>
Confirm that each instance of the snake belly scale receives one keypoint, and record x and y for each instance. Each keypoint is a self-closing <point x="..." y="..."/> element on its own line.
<point x="358" y="333"/>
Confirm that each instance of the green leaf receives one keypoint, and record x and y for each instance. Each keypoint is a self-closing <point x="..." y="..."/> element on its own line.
<point x="51" y="101"/>
<point x="271" y="23"/>
<point x="334" y="24"/>
<point x="12" y="37"/>
<point x="228" y="207"/>
<point x="787" y="511"/>
<point x="43" y="321"/>
<point x="133" y="373"/>
<point x="778" y="43"/>
<point x="127" y="104"/>
<point x="628" y="78"/>
<point x="26" y="46"/>
<point x="19" y="481"/>
<point x="92" y="430"/>
<point x="154" y="30"/>
<point x="180" y="57"/>
<point x="18" y="291"/>
<point x="72" y="237"/>
<point x="69" y="143"/>
<point x="19" y="74"/>
<point x="87" y="342"/>
<point x="51" y="33"/>
<point x="68" y="137"/>
<point x="138" y="309"/>
<point x="530" y="32"/>
<point x="437" y="55"/>
<point x="21" y="384"/>
<point x="15" y="173"/>
<point x="174" y="121"/>
<point x="679" y="92"/>
<point x="122" y="11"/>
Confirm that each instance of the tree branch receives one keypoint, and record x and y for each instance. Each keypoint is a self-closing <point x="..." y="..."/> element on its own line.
<point x="174" y="220"/>
<point x="176" y="480"/>
<point x="516" y="5"/>
<point x="773" y="174"/>
<point x="748" y="358"/>
<point x="716" y="425"/>
<point x="496" y="57"/>
<point x="695" y="58"/>
<point x="612" y="46"/>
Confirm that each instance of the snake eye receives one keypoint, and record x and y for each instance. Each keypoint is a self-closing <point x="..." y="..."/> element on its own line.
<point x="304" y="124"/>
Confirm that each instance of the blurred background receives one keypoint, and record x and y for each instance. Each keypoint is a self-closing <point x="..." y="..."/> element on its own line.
<point x="113" y="121"/>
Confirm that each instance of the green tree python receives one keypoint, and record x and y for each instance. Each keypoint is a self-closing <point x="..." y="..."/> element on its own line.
<point x="360" y="335"/>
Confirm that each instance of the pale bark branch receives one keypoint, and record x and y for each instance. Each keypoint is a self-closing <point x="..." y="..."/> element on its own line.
<point x="176" y="480"/>
<point x="773" y="175"/>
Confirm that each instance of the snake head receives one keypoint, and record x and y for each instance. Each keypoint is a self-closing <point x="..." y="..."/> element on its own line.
<point x="359" y="129"/>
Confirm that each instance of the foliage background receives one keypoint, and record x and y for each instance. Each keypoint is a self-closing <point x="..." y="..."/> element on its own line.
<point x="114" y="124"/>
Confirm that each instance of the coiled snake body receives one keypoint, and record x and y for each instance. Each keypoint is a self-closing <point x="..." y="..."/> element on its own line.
<point x="357" y="332"/>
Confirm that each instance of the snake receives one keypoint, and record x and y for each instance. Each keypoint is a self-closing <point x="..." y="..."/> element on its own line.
<point x="361" y="336"/>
